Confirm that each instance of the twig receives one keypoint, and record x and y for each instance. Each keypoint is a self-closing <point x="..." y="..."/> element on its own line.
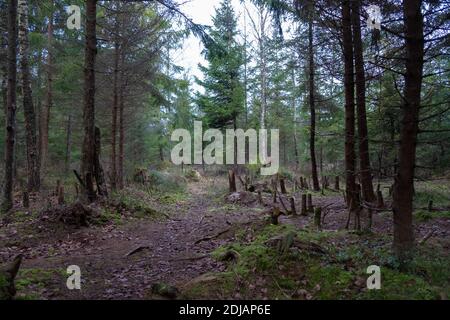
<point x="212" y="237"/>
<point x="138" y="249"/>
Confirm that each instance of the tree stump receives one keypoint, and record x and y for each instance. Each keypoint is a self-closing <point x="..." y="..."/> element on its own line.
<point x="77" y="191"/>
<point x="260" y="199"/>
<point x="25" y="199"/>
<point x="274" y="216"/>
<point x="310" y="203"/>
<point x="282" y="186"/>
<point x="430" y="205"/>
<point x="232" y="181"/>
<point x="318" y="218"/>
<point x="7" y="276"/>
<point x="58" y="184"/>
<point x="380" y="201"/>
<point x="336" y="183"/>
<point x="61" y="195"/>
<point x="304" y="211"/>
<point x="293" y="210"/>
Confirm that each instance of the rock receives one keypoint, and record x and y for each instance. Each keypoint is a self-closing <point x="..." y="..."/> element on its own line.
<point x="165" y="290"/>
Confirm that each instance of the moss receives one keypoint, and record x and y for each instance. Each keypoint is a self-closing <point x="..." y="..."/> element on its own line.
<point x="30" y="283"/>
<point x="396" y="285"/>
<point x="425" y="215"/>
<point x="341" y="274"/>
<point x="333" y="280"/>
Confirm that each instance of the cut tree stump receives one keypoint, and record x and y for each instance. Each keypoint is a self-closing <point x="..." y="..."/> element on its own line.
<point x="7" y="276"/>
<point x="275" y="215"/>
<point x="380" y="201"/>
<point x="61" y="195"/>
<point x="318" y="218"/>
<point x="310" y="203"/>
<point x="293" y="210"/>
<point x="283" y="186"/>
<point x="25" y="199"/>
<point x="304" y="210"/>
<point x="336" y="183"/>
<point x="232" y="181"/>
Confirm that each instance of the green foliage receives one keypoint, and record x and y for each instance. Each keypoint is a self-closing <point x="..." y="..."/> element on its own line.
<point x="223" y="99"/>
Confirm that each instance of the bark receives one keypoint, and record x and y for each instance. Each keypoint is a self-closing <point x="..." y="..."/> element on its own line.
<point x="120" y="172"/>
<point x="312" y="108"/>
<point x="351" y="191"/>
<point x="10" y="107"/>
<point x="114" y="118"/>
<point x="33" y="173"/>
<point x="68" y="143"/>
<point x="88" y="149"/>
<point x="47" y="106"/>
<point x="364" y="160"/>
<point x="98" y="169"/>
<point x="404" y="184"/>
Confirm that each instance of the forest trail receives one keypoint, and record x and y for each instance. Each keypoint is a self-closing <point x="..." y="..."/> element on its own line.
<point x="167" y="251"/>
<point x="122" y="260"/>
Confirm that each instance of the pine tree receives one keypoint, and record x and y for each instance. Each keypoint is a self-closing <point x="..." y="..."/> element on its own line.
<point x="223" y="99"/>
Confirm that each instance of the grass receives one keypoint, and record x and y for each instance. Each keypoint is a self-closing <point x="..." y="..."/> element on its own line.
<point x="31" y="282"/>
<point x="438" y="192"/>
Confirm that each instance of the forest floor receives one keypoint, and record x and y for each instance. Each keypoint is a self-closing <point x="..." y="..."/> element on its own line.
<point x="211" y="247"/>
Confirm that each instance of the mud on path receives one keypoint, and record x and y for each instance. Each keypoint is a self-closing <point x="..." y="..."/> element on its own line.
<point x="171" y="251"/>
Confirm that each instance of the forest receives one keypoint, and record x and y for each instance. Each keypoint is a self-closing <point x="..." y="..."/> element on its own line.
<point x="301" y="153"/>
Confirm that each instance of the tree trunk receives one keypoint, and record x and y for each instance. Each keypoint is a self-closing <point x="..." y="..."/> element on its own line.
<point x="88" y="149"/>
<point x="68" y="143"/>
<point x="98" y="169"/>
<point x="312" y="108"/>
<point x="120" y="172"/>
<point x="47" y="106"/>
<point x="33" y="173"/>
<point x="10" y="107"/>
<point x="404" y="183"/>
<point x="114" y="119"/>
<point x="349" y="84"/>
<point x="364" y="160"/>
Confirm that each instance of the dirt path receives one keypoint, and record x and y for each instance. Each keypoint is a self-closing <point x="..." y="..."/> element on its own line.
<point x="168" y="251"/>
<point x="172" y="251"/>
